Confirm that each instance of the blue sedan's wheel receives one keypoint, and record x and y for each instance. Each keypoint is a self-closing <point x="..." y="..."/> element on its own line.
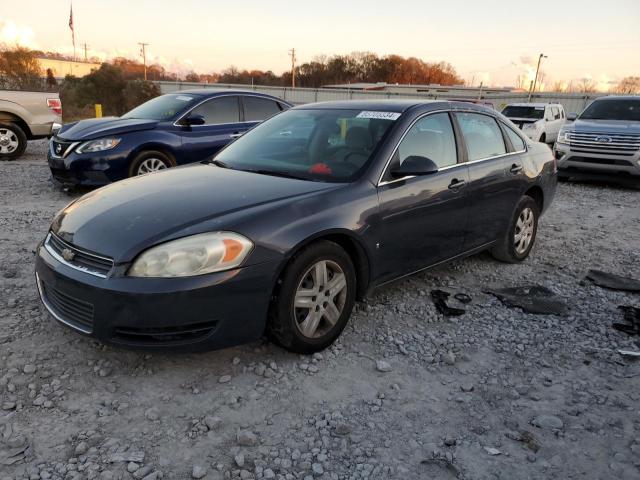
<point x="149" y="162"/>
<point x="315" y="298"/>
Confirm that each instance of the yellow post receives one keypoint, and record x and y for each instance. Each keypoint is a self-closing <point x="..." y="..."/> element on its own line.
<point x="98" y="110"/>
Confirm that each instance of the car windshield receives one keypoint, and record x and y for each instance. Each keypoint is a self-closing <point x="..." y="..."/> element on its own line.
<point x="164" y="107"/>
<point x="320" y="145"/>
<point x="619" y="109"/>
<point x="513" y="111"/>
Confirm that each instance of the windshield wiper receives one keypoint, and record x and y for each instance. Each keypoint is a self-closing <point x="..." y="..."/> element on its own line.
<point x="275" y="174"/>
<point x="218" y="163"/>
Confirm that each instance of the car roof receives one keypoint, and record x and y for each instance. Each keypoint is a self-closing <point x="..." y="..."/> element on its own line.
<point x="213" y="92"/>
<point x="618" y="97"/>
<point x="398" y="106"/>
<point x="539" y="104"/>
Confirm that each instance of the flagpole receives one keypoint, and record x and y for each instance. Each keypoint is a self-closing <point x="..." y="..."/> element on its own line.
<point x="73" y="32"/>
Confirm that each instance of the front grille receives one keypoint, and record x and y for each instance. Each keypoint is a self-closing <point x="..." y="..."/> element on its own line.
<point x="78" y="259"/>
<point x="602" y="161"/>
<point x="164" y="335"/>
<point x="59" y="146"/>
<point x="610" y="144"/>
<point x="68" y="309"/>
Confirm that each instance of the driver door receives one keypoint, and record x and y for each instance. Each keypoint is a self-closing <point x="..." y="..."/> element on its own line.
<point x="424" y="217"/>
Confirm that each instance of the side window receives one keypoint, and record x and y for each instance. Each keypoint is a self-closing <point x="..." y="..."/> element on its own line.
<point x="431" y="137"/>
<point x="257" y="109"/>
<point x="219" y="110"/>
<point x="556" y="113"/>
<point x="482" y="136"/>
<point x="516" y="140"/>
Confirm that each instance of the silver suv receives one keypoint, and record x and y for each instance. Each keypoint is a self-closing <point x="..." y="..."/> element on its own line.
<point x="604" y="139"/>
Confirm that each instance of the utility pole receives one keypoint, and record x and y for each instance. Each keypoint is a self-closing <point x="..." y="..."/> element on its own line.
<point x="144" y="57"/>
<point x="86" y="57"/>
<point x="292" y="52"/>
<point x="535" y="80"/>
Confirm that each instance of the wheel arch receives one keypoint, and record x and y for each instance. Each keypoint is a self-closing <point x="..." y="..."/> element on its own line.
<point x="537" y="194"/>
<point x="153" y="147"/>
<point x="8" y="117"/>
<point x="348" y="241"/>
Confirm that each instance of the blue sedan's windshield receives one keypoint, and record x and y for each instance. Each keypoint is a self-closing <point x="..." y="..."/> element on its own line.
<point x="161" y="108"/>
<point x="320" y="145"/>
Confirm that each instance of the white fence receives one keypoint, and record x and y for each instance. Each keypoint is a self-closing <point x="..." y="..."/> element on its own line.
<point x="572" y="102"/>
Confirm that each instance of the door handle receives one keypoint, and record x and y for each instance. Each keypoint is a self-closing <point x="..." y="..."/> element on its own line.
<point x="515" y="168"/>
<point x="235" y="135"/>
<point x="456" y="184"/>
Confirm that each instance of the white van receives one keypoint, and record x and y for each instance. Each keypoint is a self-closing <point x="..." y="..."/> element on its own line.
<point x="541" y="122"/>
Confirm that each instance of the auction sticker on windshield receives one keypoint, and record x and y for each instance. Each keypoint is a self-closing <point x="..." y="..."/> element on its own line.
<point x="379" y="115"/>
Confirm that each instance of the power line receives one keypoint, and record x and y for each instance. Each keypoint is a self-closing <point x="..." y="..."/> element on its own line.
<point x="144" y="57"/>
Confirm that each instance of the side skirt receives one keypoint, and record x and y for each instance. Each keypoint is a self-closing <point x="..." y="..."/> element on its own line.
<point x="468" y="253"/>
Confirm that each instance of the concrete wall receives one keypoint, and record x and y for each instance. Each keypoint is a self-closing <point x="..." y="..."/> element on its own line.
<point x="572" y="102"/>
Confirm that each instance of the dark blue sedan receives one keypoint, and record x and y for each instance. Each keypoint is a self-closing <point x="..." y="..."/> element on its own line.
<point x="170" y="130"/>
<point x="286" y="227"/>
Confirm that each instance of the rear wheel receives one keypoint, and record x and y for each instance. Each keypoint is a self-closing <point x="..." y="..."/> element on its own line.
<point x="13" y="141"/>
<point x="149" y="162"/>
<point x="518" y="241"/>
<point x="314" y="299"/>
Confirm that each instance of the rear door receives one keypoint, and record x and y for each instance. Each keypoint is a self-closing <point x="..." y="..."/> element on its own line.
<point x="222" y="124"/>
<point x="491" y="168"/>
<point x="258" y="109"/>
<point x="424" y="218"/>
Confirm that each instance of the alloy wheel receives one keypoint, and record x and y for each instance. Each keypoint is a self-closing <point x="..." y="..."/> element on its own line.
<point x="320" y="299"/>
<point x="150" y="165"/>
<point x="524" y="231"/>
<point x="8" y="141"/>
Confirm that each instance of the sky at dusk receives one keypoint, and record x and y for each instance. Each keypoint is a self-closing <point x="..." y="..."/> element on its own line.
<point x="492" y="41"/>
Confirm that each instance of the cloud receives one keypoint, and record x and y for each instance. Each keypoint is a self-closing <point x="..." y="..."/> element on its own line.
<point x="12" y="33"/>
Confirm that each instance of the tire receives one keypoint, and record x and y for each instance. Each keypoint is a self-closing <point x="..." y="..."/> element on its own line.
<point x="149" y="161"/>
<point x="287" y="322"/>
<point x="543" y="138"/>
<point x="508" y="248"/>
<point x="13" y="141"/>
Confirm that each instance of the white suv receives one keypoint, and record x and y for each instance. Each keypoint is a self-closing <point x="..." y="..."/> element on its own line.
<point x="541" y="122"/>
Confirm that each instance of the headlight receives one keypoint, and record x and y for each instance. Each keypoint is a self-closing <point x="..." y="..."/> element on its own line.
<point x="98" y="145"/>
<point x="529" y="126"/>
<point x="564" y="136"/>
<point x="194" y="255"/>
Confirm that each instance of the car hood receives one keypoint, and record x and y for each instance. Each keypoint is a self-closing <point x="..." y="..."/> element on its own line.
<point x="102" y="127"/>
<point x="606" y="126"/>
<point x="124" y="218"/>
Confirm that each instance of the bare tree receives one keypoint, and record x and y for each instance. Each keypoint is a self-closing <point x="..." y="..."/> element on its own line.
<point x="587" y="85"/>
<point x="628" y="85"/>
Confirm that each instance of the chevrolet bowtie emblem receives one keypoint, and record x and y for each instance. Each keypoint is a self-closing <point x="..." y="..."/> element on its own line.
<point x="68" y="255"/>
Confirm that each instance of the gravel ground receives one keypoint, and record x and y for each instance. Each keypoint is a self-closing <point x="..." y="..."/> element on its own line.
<point x="406" y="393"/>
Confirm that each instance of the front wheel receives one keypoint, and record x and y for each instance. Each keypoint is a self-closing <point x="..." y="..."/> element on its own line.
<point x="149" y="162"/>
<point x="518" y="240"/>
<point x="314" y="299"/>
<point x="13" y="141"/>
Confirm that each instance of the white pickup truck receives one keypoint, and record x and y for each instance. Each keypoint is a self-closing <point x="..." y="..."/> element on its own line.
<point x="26" y="116"/>
<point x="541" y="122"/>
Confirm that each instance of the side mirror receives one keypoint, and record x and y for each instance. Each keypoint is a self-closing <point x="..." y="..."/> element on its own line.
<point x="193" y="120"/>
<point x="572" y="116"/>
<point x="415" y="165"/>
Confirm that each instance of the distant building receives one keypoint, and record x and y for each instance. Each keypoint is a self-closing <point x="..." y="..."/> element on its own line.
<point x="62" y="68"/>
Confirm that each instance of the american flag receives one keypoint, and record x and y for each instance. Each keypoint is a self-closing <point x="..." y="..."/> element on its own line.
<point x="73" y="33"/>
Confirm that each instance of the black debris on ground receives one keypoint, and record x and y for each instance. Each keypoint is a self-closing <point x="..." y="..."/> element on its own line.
<point x="531" y="299"/>
<point x="613" y="281"/>
<point x="440" y="298"/>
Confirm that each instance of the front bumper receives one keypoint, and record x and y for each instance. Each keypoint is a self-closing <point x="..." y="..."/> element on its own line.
<point x="594" y="163"/>
<point x="89" y="169"/>
<point x="193" y="313"/>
